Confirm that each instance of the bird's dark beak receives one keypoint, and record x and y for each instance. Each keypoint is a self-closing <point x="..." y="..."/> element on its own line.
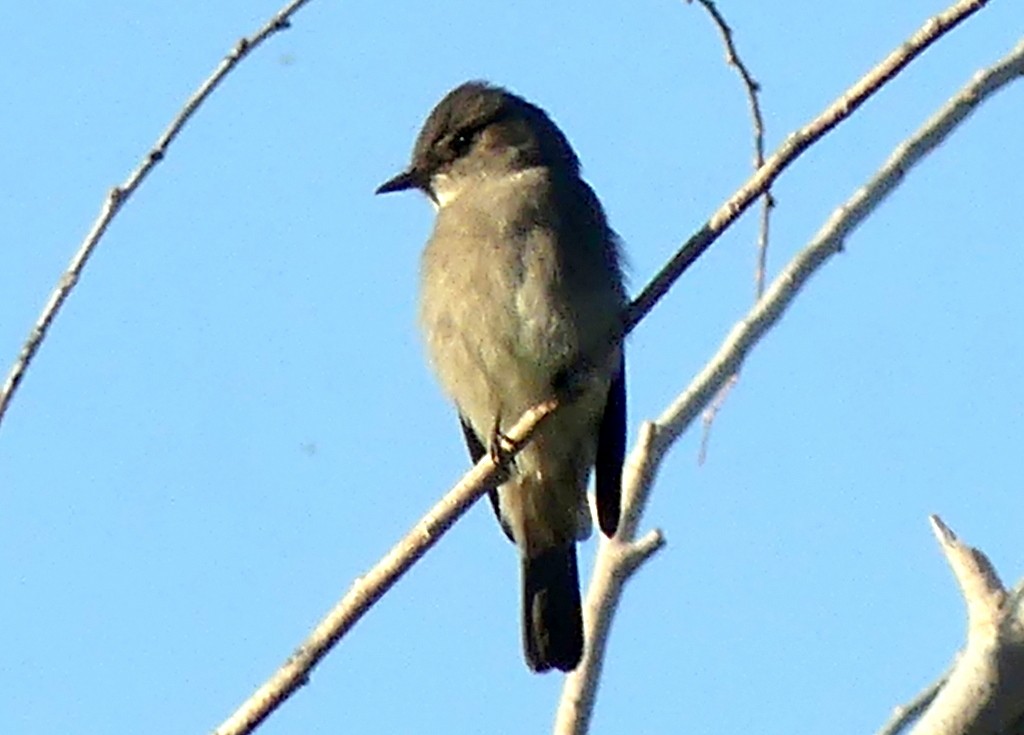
<point x="411" y="179"/>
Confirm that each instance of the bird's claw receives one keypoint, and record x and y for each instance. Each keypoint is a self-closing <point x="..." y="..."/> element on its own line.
<point x="500" y="449"/>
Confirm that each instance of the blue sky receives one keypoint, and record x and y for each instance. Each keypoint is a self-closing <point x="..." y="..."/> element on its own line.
<point x="232" y="417"/>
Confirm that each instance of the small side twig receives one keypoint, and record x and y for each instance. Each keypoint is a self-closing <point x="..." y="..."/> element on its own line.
<point x="752" y="89"/>
<point x="711" y="413"/>
<point x="120" y="194"/>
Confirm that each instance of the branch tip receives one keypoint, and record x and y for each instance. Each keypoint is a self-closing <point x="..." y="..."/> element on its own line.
<point x="942" y="532"/>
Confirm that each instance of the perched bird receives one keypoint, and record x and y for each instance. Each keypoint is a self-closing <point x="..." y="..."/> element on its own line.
<point x="521" y="290"/>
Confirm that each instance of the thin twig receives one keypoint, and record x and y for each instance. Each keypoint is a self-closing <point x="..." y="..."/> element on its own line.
<point x="752" y="88"/>
<point x="711" y="413"/>
<point x="580" y="687"/>
<point x="117" y="197"/>
<point x="792" y="148"/>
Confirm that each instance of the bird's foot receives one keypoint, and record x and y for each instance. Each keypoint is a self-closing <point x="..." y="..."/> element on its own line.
<point x="500" y="449"/>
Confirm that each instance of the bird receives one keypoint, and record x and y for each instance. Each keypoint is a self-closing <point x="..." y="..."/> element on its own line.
<point x="521" y="292"/>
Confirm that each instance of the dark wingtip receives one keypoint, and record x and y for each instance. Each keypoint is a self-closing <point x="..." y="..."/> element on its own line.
<point x="611" y="454"/>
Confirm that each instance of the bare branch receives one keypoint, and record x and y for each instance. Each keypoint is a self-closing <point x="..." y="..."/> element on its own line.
<point x="117" y="197"/>
<point x="366" y="590"/>
<point x="984" y="692"/>
<point x="983" y="592"/>
<point x="579" y="690"/>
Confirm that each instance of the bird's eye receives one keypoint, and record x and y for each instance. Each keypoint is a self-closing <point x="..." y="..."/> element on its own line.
<point x="462" y="141"/>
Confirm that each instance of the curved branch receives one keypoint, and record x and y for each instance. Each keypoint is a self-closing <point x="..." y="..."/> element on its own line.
<point x="984" y="692"/>
<point x="117" y="197"/>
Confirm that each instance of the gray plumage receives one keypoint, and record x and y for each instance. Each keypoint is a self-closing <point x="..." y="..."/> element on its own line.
<point x="521" y="279"/>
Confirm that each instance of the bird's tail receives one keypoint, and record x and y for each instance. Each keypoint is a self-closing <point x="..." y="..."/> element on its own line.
<point x="552" y="618"/>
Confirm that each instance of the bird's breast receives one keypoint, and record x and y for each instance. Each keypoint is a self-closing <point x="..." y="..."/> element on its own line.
<point x="495" y="318"/>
